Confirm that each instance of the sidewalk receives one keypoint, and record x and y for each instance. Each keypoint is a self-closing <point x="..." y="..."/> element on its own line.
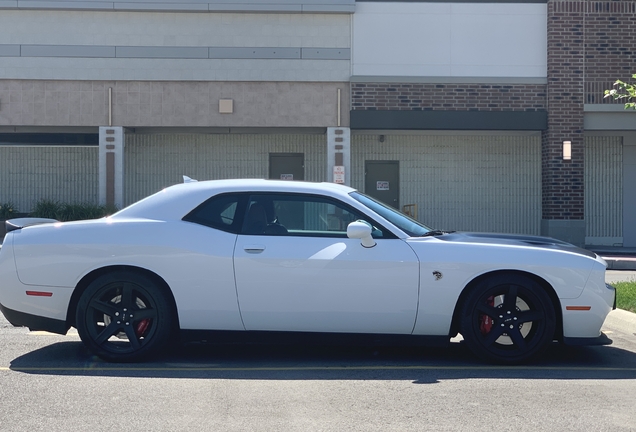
<point x="618" y="318"/>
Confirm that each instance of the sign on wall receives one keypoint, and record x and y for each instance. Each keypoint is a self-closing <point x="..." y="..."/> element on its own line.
<point x="382" y="185"/>
<point x="339" y="174"/>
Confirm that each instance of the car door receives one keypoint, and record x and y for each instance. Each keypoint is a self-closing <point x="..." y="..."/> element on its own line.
<point x="206" y="289"/>
<point x="296" y="270"/>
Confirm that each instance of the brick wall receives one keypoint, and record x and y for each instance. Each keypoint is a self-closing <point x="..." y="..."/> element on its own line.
<point x="482" y="97"/>
<point x="610" y="46"/>
<point x="590" y="45"/>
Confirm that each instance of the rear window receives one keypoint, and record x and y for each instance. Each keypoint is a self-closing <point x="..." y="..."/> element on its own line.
<point x="221" y="212"/>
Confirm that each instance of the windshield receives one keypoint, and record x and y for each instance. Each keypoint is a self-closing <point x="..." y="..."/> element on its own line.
<point x="400" y="220"/>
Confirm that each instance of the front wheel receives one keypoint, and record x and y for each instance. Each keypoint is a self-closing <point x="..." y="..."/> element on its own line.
<point x="124" y="316"/>
<point x="508" y="319"/>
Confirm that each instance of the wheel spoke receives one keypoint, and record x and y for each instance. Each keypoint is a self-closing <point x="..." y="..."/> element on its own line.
<point x="108" y="331"/>
<point x="486" y="309"/>
<point x="528" y="316"/>
<point x="510" y="298"/>
<point x="517" y="338"/>
<point x="146" y="313"/>
<point x="127" y="299"/>
<point x="104" y="307"/>
<point x="494" y="334"/>
<point x="132" y="337"/>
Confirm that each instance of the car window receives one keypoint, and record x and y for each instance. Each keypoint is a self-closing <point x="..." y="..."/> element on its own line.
<point x="301" y="215"/>
<point x="222" y="212"/>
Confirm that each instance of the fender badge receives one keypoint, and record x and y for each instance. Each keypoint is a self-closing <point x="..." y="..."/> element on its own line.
<point x="437" y="275"/>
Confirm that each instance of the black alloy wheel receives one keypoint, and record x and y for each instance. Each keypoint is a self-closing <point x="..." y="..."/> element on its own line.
<point x="124" y="316"/>
<point x="508" y="319"/>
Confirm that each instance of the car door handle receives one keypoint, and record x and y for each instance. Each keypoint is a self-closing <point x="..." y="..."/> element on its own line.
<point x="253" y="248"/>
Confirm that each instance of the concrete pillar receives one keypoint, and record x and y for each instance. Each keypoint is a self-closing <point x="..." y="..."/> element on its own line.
<point x="339" y="155"/>
<point x="111" y="166"/>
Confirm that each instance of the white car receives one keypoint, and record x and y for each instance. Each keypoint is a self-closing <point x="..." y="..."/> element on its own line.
<point x="250" y="259"/>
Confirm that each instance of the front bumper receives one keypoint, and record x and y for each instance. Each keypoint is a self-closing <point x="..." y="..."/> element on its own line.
<point x="602" y="339"/>
<point x="584" y="316"/>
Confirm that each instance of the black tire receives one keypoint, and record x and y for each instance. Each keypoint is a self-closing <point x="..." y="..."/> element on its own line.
<point x="124" y="317"/>
<point x="508" y="319"/>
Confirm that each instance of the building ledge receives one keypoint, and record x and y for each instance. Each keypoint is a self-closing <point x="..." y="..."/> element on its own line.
<point x="607" y="117"/>
<point x="447" y="80"/>
<point x="607" y="108"/>
<point x="249" y="6"/>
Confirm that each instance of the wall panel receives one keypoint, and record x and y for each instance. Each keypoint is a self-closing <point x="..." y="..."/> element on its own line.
<point x="61" y="173"/>
<point x="427" y="39"/>
<point x="153" y="162"/>
<point x="477" y="183"/>
<point x="604" y="190"/>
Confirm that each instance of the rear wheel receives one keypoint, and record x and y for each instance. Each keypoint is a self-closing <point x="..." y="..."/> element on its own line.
<point x="508" y="319"/>
<point x="124" y="316"/>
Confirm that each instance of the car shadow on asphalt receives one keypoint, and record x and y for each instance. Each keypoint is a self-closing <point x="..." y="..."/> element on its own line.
<point x="296" y="362"/>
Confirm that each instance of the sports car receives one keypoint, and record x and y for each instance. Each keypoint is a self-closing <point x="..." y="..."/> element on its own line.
<point x="234" y="260"/>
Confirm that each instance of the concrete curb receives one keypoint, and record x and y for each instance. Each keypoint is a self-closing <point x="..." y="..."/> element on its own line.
<point x="622" y="319"/>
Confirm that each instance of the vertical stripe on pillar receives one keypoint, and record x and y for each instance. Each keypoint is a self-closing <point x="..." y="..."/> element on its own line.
<point x="110" y="178"/>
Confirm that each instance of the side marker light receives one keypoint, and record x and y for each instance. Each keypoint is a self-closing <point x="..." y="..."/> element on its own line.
<point x="39" y="293"/>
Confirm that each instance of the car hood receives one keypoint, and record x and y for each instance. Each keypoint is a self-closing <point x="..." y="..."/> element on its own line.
<point x="515" y="240"/>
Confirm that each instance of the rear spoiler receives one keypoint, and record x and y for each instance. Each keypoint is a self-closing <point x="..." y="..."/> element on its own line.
<point x="19" y="223"/>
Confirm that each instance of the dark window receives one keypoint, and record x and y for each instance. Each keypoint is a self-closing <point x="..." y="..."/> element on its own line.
<point x="49" y="139"/>
<point x="221" y="212"/>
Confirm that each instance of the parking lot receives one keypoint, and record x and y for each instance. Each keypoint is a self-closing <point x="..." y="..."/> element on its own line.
<point x="52" y="383"/>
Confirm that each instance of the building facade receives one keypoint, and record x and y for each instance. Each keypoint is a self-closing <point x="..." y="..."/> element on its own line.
<point x="457" y="112"/>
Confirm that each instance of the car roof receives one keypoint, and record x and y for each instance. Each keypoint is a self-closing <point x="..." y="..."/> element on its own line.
<point x="176" y="201"/>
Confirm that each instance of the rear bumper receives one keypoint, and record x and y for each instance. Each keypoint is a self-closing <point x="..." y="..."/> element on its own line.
<point x="34" y="322"/>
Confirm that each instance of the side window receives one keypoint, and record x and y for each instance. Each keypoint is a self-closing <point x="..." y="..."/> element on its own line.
<point x="220" y="212"/>
<point x="300" y="215"/>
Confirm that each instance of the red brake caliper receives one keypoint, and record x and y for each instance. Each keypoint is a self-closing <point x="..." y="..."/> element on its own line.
<point x="142" y="326"/>
<point x="487" y="322"/>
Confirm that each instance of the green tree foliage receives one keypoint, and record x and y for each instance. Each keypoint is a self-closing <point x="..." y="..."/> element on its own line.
<point x="624" y="91"/>
<point x="7" y="210"/>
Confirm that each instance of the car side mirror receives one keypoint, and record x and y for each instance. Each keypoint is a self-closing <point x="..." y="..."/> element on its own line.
<point x="361" y="230"/>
